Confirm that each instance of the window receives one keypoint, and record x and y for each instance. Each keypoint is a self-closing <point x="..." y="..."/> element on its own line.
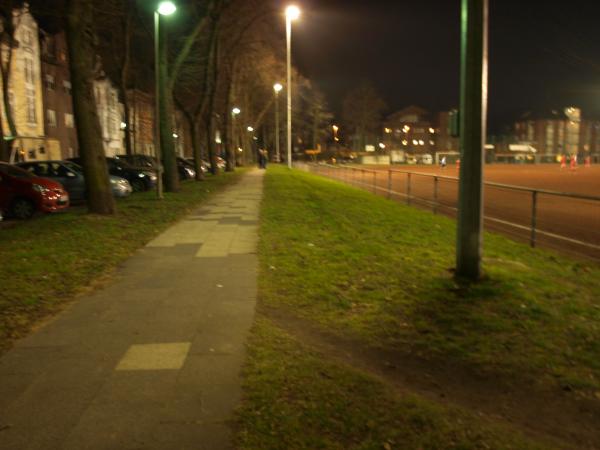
<point x="67" y="87"/>
<point x="28" y="70"/>
<point x="69" y="120"/>
<point x="31" y="113"/>
<point x="51" y="117"/>
<point x="50" y="85"/>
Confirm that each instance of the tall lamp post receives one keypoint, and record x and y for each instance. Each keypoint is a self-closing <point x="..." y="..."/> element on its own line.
<point x="234" y="112"/>
<point x="160" y="72"/>
<point x="291" y="13"/>
<point x="277" y="87"/>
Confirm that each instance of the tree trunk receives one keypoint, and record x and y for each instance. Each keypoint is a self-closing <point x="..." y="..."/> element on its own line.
<point x="165" y="105"/>
<point x="82" y="57"/>
<point x="197" y="147"/>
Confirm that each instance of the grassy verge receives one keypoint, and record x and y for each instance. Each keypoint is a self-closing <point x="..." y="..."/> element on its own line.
<point x="379" y="271"/>
<point x="296" y="400"/>
<point x="47" y="260"/>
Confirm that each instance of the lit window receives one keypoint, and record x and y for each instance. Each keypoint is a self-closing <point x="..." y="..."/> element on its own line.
<point x="69" y="120"/>
<point x="51" y="117"/>
<point x="50" y="82"/>
<point x="67" y="87"/>
<point x="415" y="142"/>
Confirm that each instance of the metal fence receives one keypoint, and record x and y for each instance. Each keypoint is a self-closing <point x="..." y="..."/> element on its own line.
<point x="564" y="221"/>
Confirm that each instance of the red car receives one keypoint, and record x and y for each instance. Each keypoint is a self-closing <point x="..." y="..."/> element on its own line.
<point x="22" y="194"/>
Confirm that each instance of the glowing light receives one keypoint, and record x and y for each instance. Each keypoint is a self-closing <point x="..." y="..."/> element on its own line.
<point x="236" y="110"/>
<point x="277" y="87"/>
<point x="292" y="12"/>
<point x="250" y="129"/>
<point x="166" y="8"/>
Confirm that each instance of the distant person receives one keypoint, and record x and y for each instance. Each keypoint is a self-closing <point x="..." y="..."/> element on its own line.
<point x="563" y="161"/>
<point x="588" y="161"/>
<point x="443" y="162"/>
<point x="573" y="162"/>
<point x="262" y="158"/>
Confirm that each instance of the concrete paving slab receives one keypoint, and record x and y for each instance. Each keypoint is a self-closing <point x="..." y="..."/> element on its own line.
<point x="152" y="360"/>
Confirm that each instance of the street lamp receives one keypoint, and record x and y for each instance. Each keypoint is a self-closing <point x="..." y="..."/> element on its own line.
<point x="291" y="13"/>
<point x="277" y="87"/>
<point x="335" y="129"/>
<point x="160" y="72"/>
<point x="250" y="129"/>
<point x="234" y="112"/>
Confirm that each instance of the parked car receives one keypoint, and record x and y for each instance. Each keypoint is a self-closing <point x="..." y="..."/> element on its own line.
<point x="184" y="171"/>
<point x="140" y="179"/>
<point x="70" y="175"/>
<point x="22" y="193"/>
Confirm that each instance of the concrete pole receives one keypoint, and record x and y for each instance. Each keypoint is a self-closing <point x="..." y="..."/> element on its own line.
<point x="157" y="149"/>
<point x="473" y="111"/>
<point x="288" y="29"/>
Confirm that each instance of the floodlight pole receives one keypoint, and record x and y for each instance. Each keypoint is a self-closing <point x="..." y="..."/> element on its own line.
<point x="277" y="156"/>
<point x="473" y="111"/>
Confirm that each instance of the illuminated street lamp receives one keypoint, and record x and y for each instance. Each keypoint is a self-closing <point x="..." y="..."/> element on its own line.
<point x="160" y="72"/>
<point x="277" y="87"/>
<point x="291" y="13"/>
<point x="250" y="129"/>
<point x="234" y="112"/>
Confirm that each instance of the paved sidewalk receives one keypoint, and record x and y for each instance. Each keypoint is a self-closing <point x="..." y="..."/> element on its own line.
<point x="153" y="360"/>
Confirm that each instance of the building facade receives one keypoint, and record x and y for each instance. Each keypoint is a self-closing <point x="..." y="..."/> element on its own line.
<point x="58" y="103"/>
<point x="25" y="93"/>
<point x="110" y="114"/>
<point x="559" y="132"/>
<point x="411" y="130"/>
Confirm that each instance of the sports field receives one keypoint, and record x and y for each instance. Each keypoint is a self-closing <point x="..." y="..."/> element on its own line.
<point x="561" y="222"/>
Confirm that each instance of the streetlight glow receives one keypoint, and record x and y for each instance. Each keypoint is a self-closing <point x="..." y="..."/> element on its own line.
<point x="292" y="12"/>
<point x="236" y="110"/>
<point x="166" y="8"/>
<point x="277" y="87"/>
<point x="250" y="129"/>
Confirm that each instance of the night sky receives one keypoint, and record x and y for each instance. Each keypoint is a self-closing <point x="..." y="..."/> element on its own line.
<point x="543" y="55"/>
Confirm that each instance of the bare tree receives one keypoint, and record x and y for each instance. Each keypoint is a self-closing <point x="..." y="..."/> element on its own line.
<point x="361" y="111"/>
<point x="82" y="57"/>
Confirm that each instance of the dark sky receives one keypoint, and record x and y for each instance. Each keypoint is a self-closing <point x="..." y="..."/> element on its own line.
<point x="543" y="54"/>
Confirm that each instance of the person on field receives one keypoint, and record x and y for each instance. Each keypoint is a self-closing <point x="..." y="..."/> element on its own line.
<point x="563" y="161"/>
<point x="443" y="162"/>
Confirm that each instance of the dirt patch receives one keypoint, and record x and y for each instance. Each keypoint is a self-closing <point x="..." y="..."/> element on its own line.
<point x="556" y="415"/>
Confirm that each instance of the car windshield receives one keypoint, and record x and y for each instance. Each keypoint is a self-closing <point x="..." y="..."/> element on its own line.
<point x="121" y="164"/>
<point x="73" y="167"/>
<point x="15" y="171"/>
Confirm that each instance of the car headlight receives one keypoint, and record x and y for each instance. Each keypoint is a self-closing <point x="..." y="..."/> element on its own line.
<point x="151" y="176"/>
<point x="141" y="175"/>
<point x="39" y="188"/>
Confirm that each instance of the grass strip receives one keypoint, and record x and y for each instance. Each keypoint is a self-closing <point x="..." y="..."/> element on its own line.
<point x="47" y="260"/>
<point x="380" y="271"/>
<point x="294" y="399"/>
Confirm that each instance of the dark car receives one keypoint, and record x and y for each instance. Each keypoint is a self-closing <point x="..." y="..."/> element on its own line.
<point x="70" y="175"/>
<point x="184" y="170"/>
<point x="140" y="179"/>
<point x="22" y="193"/>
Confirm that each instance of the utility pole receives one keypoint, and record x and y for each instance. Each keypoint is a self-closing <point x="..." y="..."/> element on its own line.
<point x="473" y="111"/>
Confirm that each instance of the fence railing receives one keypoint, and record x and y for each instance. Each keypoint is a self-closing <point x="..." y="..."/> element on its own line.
<point x="565" y="221"/>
